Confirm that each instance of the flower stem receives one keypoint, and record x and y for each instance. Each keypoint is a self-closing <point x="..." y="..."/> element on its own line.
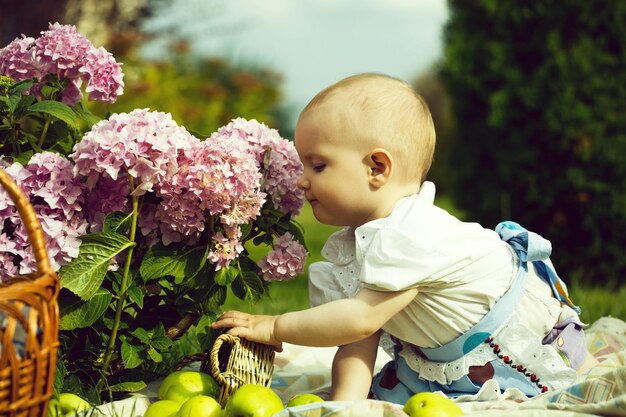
<point x="119" y="308"/>
<point x="44" y="131"/>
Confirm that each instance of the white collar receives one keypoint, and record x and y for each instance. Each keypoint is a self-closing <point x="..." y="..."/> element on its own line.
<point x="340" y="247"/>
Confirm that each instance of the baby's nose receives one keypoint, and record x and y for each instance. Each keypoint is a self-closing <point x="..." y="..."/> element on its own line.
<point x="303" y="183"/>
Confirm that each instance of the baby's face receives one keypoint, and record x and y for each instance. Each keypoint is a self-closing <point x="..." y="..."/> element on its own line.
<point x="336" y="173"/>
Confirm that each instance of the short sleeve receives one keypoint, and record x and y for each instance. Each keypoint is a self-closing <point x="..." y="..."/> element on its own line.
<point x="329" y="282"/>
<point x="322" y="288"/>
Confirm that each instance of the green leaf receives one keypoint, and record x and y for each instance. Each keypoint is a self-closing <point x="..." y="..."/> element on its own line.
<point x="56" y="109"/>
<point x="18" y="88"/>
<point x="59" y="376"/>
<point x="136" y="295"/>
<point x="24" y="103"/>
<point x="245" y="230"/>
<point x="79" y="314"/>
<point x="130" y="386"/>
<point x="24" y="157"/>
<point x="85" y="273"/>
<point x="118" y="222"/>
<point x="215" y="299"/>
<point x="297" y="232"/>
<point x="14" y="100"/>
<point x="83" y="113"/>
<point x="154" y="355"/>
<point x="179" y="262"/>
<point x="226" y="275"/>
<point x="248" y="287"/>
<point x="131" y="355"/>
<point x="161" y="343"/>
<point x="5" y="102"/>
<point x="142" y="334"/>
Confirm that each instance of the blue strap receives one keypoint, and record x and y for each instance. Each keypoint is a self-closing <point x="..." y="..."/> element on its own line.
<point x="529" y="247"/>
<point x="538" y="252"/>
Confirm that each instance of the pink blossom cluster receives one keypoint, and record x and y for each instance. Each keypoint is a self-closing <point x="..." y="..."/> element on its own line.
<point x="188" y="189"/>
<point x="216" y="178"/>
<point x="57" y="197"/>
<point x="64" y="52"/>
<point x="285" y="261"/>
<point x="283" y="168"/>
<point x="225" y="248"/>
<point x="141" y="145"/>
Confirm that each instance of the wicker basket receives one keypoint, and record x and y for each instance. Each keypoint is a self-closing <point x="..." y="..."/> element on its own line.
<point x="29" y="314"/>
<point x="234" y="362"/>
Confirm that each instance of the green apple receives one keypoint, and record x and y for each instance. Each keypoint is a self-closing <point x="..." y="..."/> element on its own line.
<point x="429" y="404"/>
<point x="70" y="404"/>
<point x="54" y="408"/>
<point x="179" y="386"/>
<point x="302" y="399"/>
<point x="251" y="400"/>
<point x="200" y="406"/>
<point x="162" y="408"/>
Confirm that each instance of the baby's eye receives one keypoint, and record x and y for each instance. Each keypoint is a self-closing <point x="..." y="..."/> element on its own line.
<point x="319" y="167"/>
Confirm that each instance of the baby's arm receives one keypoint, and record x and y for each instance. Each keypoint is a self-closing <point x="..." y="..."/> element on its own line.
<point x="353" y="368"/>
<point x="336" y="323"/>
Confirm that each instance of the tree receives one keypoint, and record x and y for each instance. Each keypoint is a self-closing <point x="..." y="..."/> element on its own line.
<point x="538" y="92"/>
<point x="432" y="90"/>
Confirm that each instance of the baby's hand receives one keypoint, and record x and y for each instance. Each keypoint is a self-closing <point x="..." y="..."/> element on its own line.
<point x="255" y="328"/>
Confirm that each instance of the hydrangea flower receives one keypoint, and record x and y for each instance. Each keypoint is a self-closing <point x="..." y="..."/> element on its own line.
<point x="225" y="248"/>
<point x="142" y="144"/>
<point x="217" y="177"/>
<point x="8" y="250"/>
<point x="63" y="51"/>
<point x="52" y="180"/>
<point x="56" y="196"/>
<point x="283" y="168"/>
<point x="107" y="196"/>
<point x="18" y="59"/>
<point x="285" y="261"/>
<point x="103" y="76"/>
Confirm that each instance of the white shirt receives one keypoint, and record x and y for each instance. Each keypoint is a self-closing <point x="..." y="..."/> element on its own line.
<point x="461" y="270"/>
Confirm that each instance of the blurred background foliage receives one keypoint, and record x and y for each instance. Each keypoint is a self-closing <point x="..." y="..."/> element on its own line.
<point x="528" y="101"/>
<point x="538" y="92"/>
<point x="202" y="93"/>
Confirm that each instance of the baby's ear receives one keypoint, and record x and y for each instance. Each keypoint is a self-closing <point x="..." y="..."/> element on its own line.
<point x="381" y="167"/>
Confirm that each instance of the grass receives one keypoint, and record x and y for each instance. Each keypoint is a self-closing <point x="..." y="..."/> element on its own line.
<point x="594" y="301"/>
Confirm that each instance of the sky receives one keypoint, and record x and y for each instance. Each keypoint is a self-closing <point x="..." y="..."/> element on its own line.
<point x="312" y="43"/>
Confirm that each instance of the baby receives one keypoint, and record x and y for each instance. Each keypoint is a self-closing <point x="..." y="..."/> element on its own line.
<point x="459" y="304"/>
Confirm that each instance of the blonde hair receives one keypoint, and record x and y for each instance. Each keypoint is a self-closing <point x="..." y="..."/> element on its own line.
<point x="390" y="115"/>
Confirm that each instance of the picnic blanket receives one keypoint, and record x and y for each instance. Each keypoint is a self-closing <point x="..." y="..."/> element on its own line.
<point x="602" y="391"/>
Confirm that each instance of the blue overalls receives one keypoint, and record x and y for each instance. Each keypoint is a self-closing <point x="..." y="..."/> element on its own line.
<point x="397" y="382"/>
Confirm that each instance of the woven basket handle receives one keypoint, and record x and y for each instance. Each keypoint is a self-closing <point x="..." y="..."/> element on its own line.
<point x="216" y="366"/>
<point x="29" y="218"/>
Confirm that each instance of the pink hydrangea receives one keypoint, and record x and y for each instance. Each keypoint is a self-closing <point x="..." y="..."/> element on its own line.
<point x="18" y="59"/>
<point x="142" y="144"/>
<point x="56" y="197"/>
<point x="53" y="181"/>
<point x="8" y="250"/>
<point x="225" y="248"/>
<point x="285" y="261"/>
<point x="103" y="75"/>
<point x="215" y="178"/>
<point x="64" y="52"/>
<point x="62" y="241"/>
<point x="283" y="168"/>
<point x="108" y="195"/>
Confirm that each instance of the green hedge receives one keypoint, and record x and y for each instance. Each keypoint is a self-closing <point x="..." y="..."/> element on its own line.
<point x="538" y="92"/>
